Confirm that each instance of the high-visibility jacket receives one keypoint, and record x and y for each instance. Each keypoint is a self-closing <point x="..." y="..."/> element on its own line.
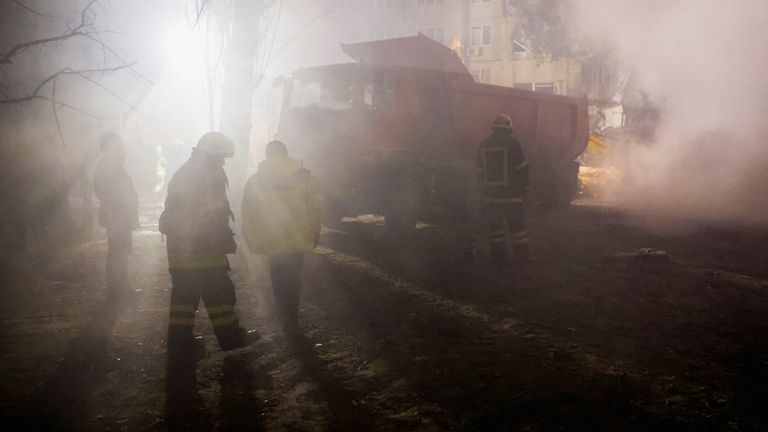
<point x="196" y="217"/>
<point x="502" y="170"/>
<point x="281" y="208"/>
<point x="118" y="201"/>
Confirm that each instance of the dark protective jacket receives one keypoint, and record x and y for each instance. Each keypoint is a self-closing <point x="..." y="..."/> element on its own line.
<point x="281" y="208"/>
<point x="196" y="217"/>
<point x="118" y="201"/>
<point x="501" y="169"/>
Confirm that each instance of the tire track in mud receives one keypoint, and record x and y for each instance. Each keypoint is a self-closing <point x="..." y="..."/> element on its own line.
<point x="611" y="379"/>
<point x="298" y="390"/>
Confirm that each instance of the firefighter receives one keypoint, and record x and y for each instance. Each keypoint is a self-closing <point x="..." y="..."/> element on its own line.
<point x="281" y="219"/>
<point x="196" y="223"/>
<point x="503" y="176"/>
<point x="118" y="211"/>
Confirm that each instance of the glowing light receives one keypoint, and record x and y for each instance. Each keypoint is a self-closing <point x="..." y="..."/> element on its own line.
<point x="183" y="52"/>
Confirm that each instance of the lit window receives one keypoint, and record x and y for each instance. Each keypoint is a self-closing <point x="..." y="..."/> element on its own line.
<point x="481" y="35"/>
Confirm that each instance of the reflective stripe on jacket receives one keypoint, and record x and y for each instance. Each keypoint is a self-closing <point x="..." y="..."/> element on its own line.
<point x="502" y="170"/>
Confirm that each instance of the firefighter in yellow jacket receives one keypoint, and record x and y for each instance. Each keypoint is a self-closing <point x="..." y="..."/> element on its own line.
<point x="503" y="176"/>
<point x="281" y="219"/>
<point x="196" y="222"/>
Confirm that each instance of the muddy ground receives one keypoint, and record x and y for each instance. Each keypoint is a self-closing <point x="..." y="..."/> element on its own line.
<point x="402" y="333"/>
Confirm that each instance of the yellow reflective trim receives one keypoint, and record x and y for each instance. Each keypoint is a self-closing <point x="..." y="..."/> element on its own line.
<point x="223" y="321"/>
<point x="502" y="200"/>
<point x="220" y="308"/>
<point x="521" y="165"/>
<point x="183" y="308"/>
<point x="504" y="181"/>
<point x="182" y="321"/>
<point x="520" y="234"/>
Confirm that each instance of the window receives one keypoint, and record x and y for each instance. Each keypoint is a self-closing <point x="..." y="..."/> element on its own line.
<point x="482" y="75"/>
<point x="518" y="46"/>
<point x="481" y="35"/>
<point x="384" y="34"/>
<point x="383" y="4"/>
<point x="330" y="95"/>
<point x="550" y="88"/>
<point x="428" y="2"/>
<point x="481" y="1"/>
<point x="434" y="33"/>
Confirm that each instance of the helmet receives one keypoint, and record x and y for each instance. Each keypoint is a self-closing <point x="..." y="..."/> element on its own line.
<point x="502" y="121"/>
<point x="216" y="144"/>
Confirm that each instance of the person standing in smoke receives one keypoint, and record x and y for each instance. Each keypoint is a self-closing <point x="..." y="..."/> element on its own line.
<point x="118" y="211"/>
<point x="502" y="173"/>
<point x="196" y="221"/>
<point x="281" y="219"/>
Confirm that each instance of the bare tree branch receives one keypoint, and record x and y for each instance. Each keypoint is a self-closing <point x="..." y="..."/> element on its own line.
<point x="327" y="11"/>
<point x="68" y="71"/>
<point x="120" y="58"/>
<point x="29" y="9"/>
<point x="80" y="30"/>
<point x="49" y="99"/>
<point x="105" y="88"/>
<point x="56" y="115"/>
<point x="200" y="11"/>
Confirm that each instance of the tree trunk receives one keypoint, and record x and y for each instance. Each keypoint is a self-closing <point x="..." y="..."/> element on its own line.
<point x="237" y="91"/>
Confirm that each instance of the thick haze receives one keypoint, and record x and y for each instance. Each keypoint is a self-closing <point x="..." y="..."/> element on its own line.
<point x="705" y="62"/>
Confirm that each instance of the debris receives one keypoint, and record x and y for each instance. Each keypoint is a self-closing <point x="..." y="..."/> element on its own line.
<point x="644" y="255"/>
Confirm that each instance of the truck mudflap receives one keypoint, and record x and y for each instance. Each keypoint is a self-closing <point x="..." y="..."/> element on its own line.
<point x="554" y="184"/>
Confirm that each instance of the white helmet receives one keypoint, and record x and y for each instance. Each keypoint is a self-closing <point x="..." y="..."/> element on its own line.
<point x="216" y="144"/>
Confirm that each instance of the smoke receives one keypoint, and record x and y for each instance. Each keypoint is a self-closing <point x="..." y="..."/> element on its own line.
<point x="705" y="63"/>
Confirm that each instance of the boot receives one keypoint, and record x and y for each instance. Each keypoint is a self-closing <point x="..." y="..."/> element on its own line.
<point x="242" y="339"/>
<point x="250" y="337"/>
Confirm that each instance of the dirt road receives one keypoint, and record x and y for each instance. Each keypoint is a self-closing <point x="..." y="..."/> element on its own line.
<point x="402" y="333"/>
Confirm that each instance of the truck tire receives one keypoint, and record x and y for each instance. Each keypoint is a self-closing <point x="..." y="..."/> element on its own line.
<point x="402" y="210"/>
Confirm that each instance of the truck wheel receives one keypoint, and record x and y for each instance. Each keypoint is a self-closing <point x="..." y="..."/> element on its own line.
<point x="402" y="211"/>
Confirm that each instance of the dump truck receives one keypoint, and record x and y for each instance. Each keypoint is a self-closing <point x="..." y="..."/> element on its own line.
<point x="395" y="133"/>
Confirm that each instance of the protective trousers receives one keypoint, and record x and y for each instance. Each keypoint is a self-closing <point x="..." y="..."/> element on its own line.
<point x="119" y="246"/>
<point x="285" y="271"/>
<point x="503" y="217"/>
<point x="218" y="294"/>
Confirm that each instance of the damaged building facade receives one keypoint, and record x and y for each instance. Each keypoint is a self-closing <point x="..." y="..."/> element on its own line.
<point x="513" y="43"/>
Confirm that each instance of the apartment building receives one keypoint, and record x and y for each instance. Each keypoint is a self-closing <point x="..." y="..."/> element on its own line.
<point x="482" y="32"/>
<point x="441" y="20"/>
